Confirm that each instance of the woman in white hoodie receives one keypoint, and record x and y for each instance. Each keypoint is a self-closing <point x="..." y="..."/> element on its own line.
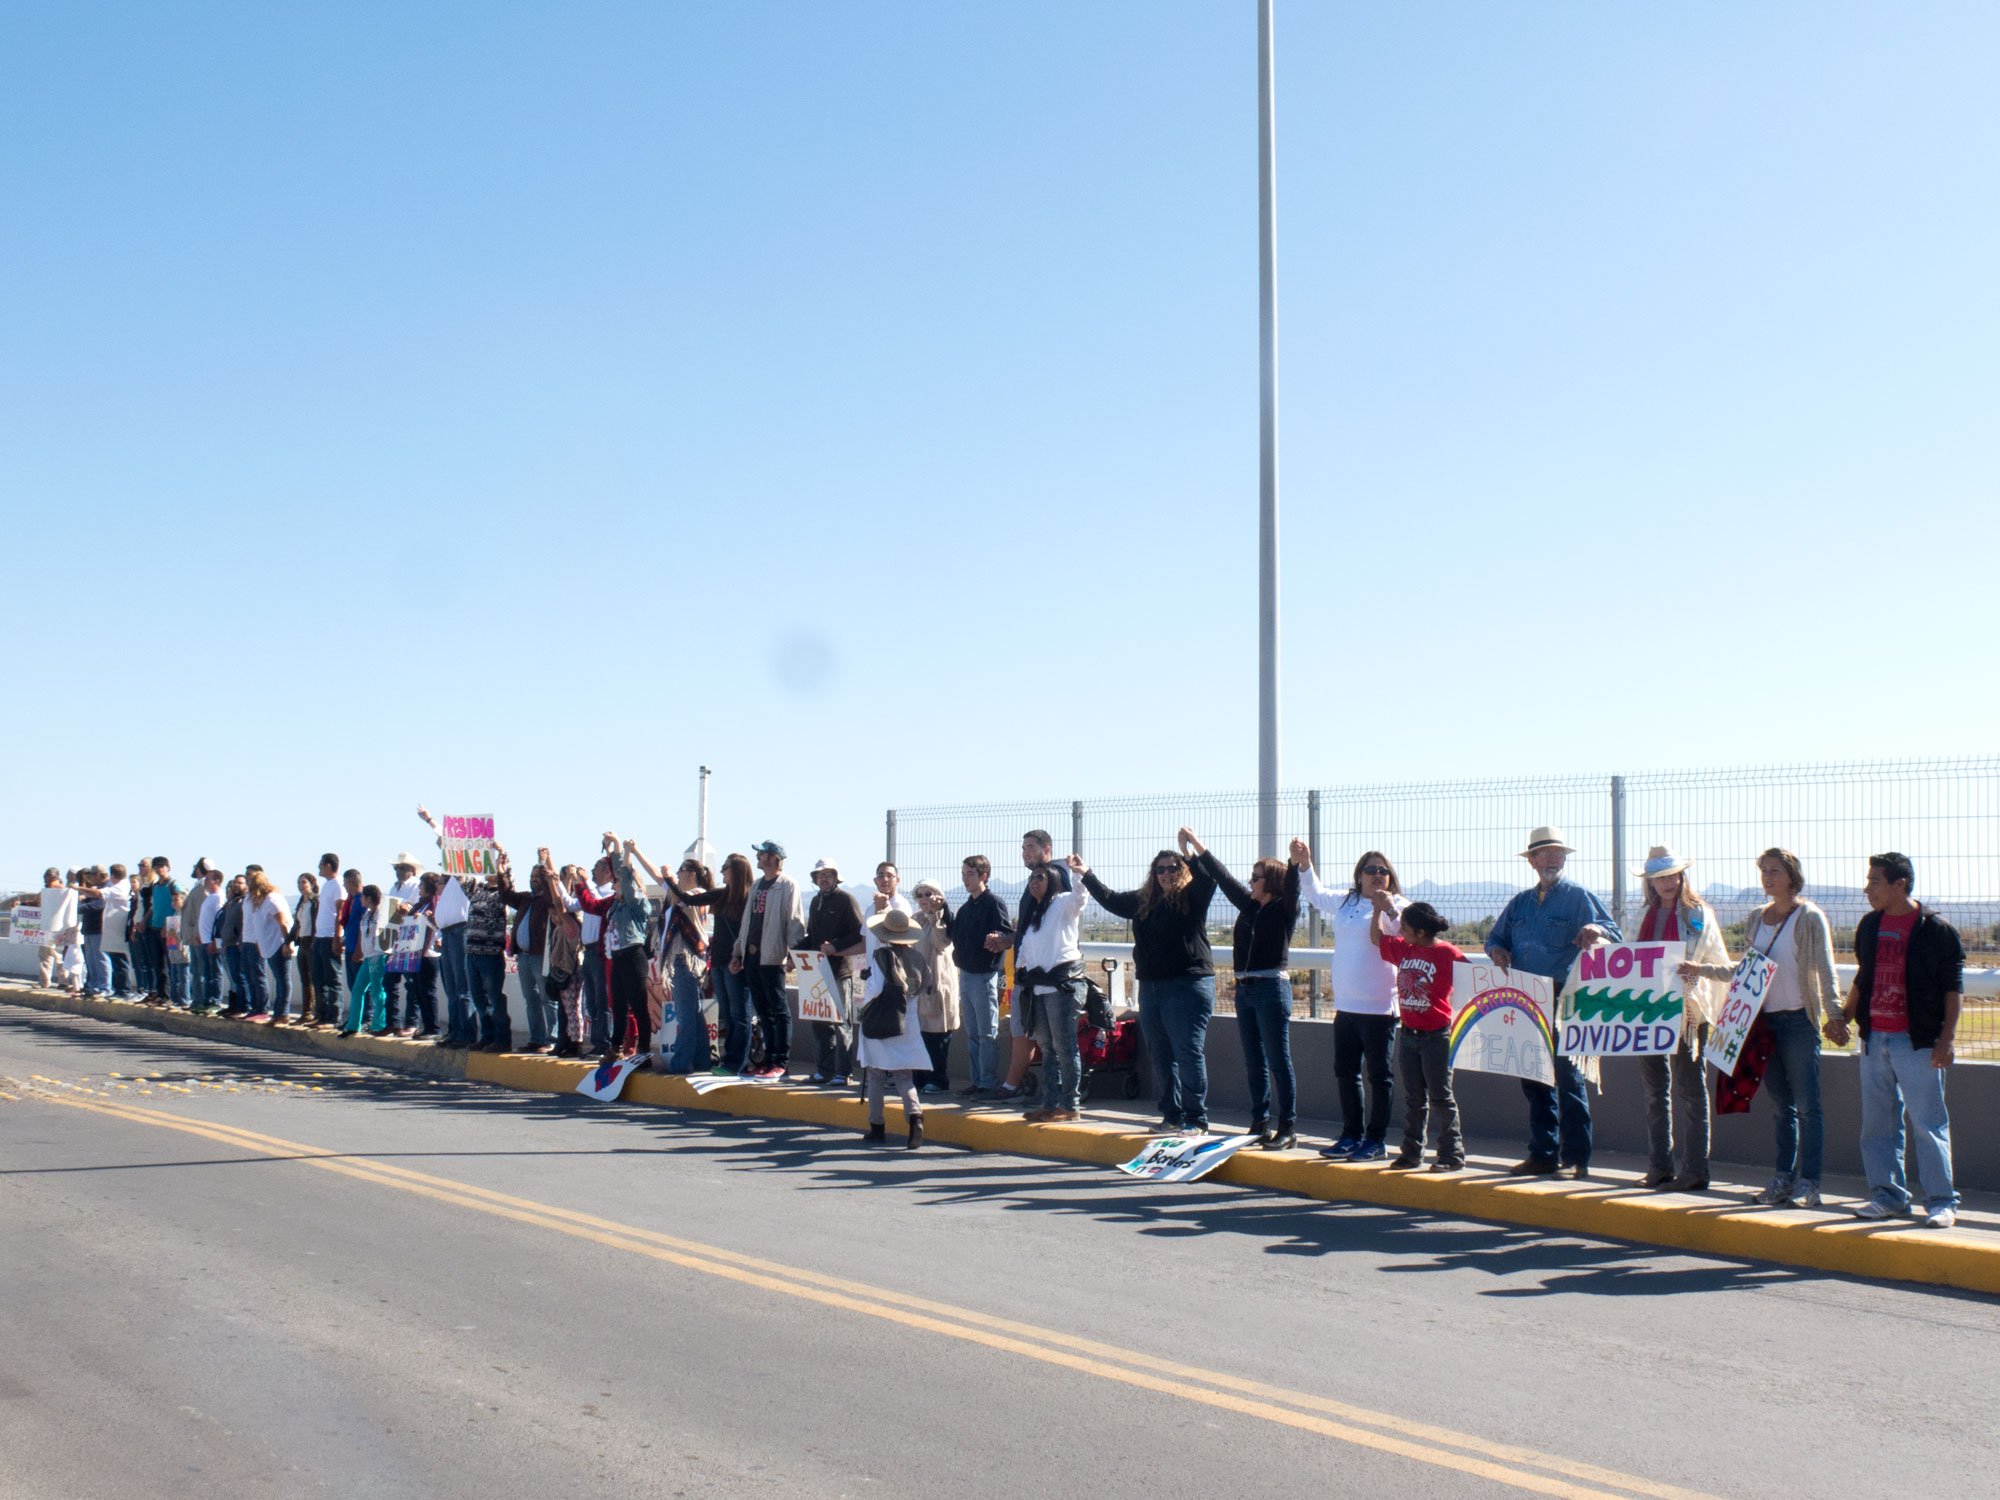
<point x="1364" y="1000"/>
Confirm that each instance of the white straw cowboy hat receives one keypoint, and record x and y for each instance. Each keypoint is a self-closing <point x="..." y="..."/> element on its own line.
<point x="1660" y="860"/>
<point x="407" y="858"/>
<point x="895" y="927"/>
<point x="1546" y="837"/>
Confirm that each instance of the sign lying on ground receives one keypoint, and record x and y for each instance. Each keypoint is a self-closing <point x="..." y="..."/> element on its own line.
<point x="1747" y="988"/>
<point x="466" y="846"/>
<point x="1505" y="1022"/>
<point x="27" y="925"/>
<point x="820" y="992"/>
<point x="1183" y="1158"/>
<point x="1622" y="1000"/>
<point x="607" y="1080"/>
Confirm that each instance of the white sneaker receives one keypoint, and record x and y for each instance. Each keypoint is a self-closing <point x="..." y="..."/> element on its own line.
<point x="1874" y="1210"/>
<point x="1806" y="1194"/>
<point x="1777" y="1191"/>
<point x="1941" y="1218"/>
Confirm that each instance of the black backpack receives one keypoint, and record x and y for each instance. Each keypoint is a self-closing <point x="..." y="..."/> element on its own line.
<point x="882" y="1018"/>
<point x="1097" y="1006"/>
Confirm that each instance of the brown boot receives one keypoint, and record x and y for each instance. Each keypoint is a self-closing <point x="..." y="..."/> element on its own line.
<point x="916" y="1133"/>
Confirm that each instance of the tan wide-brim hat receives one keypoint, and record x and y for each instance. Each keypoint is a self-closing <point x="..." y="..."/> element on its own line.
<point x="1660" y="860"/>
<point x="1546" y="837"/>
<point x="895" y="927"/>
<point x="407" y="858"/>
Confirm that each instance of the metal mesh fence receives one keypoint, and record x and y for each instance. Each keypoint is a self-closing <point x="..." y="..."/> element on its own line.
<point x="1457" y="844"/>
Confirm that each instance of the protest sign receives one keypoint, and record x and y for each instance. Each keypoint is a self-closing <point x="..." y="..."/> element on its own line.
<point x="821" y="995"/>
<point x="1504" y="1023"/>
<point x="1622" y="1000"/>
<point x="466" y="846"/>
<point x="607" y="1081"/>
<point x="406" y="950"/>
<point x="27" y="924"/>
<point x="1747" y="988"/>
<point x="1183" y="1158"/>
<point x="708" y="1083"/>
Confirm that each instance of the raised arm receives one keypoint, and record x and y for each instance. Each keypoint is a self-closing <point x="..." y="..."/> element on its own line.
<point x="1119" y="903"/>
<point x="1237" y="892"/>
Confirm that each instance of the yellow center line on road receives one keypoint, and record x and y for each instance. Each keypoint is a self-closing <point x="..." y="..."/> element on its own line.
<point x="1424" y="1443"/>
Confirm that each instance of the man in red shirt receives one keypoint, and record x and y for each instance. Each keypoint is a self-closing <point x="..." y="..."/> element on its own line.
<point x="1909" y="972"/>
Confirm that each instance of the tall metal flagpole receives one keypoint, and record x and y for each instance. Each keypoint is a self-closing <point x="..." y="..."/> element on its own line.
<point x="1267" y="487"/>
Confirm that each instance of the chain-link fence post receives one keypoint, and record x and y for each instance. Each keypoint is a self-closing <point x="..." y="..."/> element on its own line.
<point x="1076" y="827"/>
<point x="891" y="837"/>
<point x="1618" y="851"/>
<point x="1312" y="912"/>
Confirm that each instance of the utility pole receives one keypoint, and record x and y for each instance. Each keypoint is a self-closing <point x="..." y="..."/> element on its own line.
<point x="699" y="848"/>
<point x="1267" y="486"/>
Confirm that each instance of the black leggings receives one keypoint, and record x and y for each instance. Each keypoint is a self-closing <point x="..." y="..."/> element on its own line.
<point x="628" y="996"/>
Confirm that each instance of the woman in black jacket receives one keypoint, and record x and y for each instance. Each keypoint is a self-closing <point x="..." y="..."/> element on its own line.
<point x="1268" y="910"/>
<point x="1175" y="969"/>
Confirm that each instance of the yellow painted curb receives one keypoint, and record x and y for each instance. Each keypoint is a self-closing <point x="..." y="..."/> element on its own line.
<point x="1965" y="1259"/>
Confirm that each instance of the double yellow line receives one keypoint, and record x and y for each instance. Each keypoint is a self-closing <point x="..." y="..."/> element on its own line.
<point x="1503" y="1463"/>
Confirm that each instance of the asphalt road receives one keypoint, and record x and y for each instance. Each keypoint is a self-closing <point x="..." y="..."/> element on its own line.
<point x="230" y="1273"/>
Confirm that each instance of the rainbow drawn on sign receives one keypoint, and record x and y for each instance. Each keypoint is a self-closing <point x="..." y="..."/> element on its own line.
<point x="1505" y="997"/>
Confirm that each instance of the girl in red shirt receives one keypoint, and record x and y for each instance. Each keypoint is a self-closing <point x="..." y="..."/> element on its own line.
<point x="1423" y="1050"/>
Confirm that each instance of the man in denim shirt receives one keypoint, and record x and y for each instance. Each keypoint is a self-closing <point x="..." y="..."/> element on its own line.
<point x="1540" y="932"/>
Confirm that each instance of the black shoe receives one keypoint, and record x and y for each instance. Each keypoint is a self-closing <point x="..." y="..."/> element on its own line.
<point x="1284" y="1138"/>
<point x="1691" y="1183"/>
<point x="1407" y="1161"/>
<point x="916" y="1133"/>
<point x="1450" y="1164"/>
<point x="1533" y="1166"/>
<point x="1656" y="1180"/>
<point x="878" y="1135"/>
<point x="1170" y="1127"/>
<point x="1581" y="1174"/>
<point x="1261" y="1129"/>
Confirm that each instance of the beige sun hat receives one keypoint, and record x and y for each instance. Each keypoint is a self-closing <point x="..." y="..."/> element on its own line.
<point x="827" y="865"/>
<point x="407" y="858"/>
<point x="895" y="927"/>
<point x="1660" y="860"/>
<point x="1546" y="837"/>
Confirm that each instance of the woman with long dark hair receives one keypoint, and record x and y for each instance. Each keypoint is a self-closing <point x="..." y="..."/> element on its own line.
<point x="681" y="956"/>
<point x="1364" y="1000"/>
<point x="1175" y="968"/>
<point x="1267" y="911"/>
<point x="732" y="986"/>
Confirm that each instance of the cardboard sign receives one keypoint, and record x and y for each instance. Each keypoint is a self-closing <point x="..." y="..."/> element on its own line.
<point x="27" y="925"/>
<point x="1505" y="1022"/>
<point x="1747" y="988"/>
<point x="1183" y="1158"/>
<point x="1622" y="1000"/>
<point x="406" y="951"/>
<point x="822" y="997"/>
<point x="466" y="847"/>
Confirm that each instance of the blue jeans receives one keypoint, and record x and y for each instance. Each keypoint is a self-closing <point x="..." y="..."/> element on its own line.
<point x="420" y="998"/>
<point x="232" y="965"/>
<point x="207" y="976"/>
<point x="281" y="985"/>
<point x="1566" y="1105"/>
<point x="250" y="965"/>
<point x="1264" y="1022"/>
<point x="690" y="1054"/>
<point x="732" y="1015"/>
<point x="528" y="966"/>
<point x="367" y="998"/>
<point x="489" y="996"/>
<point x="1173" y="1015"/>
<point x="596" y="1008"/>
<point x="458" y="1023"/>
<point x="142" y="960"/>
<point x="96" y="970"/>
<point x="1364" y="1043"/>
<point x="121" y="973"/>
<point x="1062" y="1059"/>
<point x="1791" y="1078"/>
<point x="177" y="982"/>
<point x="1895" y="1076"/>
<point x="326" y="978"/>
<point x="979" y="995"/>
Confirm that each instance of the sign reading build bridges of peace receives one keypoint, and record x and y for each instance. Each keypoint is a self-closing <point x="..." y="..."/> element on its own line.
<point x="1622" y="1000"/>
<point x="1504" y="1022"/>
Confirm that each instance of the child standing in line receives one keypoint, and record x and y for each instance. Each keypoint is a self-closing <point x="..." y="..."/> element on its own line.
<point x="1423" y="1050"/>
<point x="371" y="992"/>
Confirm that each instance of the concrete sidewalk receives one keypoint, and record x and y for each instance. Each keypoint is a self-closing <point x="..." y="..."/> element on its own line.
<point x="1610" y="1205"/>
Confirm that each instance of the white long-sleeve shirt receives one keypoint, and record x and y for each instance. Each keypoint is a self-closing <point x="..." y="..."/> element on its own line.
<point x="1053" y="943"/>
<point x="1364" y="983"/>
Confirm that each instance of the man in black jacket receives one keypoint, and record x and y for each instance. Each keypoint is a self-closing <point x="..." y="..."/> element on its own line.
<point x="980" y="933"/>
<point x="1909" y="972"/>
<point x="833" y="928"/>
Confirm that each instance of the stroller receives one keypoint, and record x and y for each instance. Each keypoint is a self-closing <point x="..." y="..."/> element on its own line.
<point x="1108" y="1044"/>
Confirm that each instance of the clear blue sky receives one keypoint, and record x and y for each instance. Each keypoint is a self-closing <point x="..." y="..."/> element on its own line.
<point x="535" y="402"/>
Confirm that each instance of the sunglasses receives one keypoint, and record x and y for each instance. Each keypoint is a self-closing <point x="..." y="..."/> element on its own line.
<point x="1166" y="869"/>
<point x="1376" y="870"/>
